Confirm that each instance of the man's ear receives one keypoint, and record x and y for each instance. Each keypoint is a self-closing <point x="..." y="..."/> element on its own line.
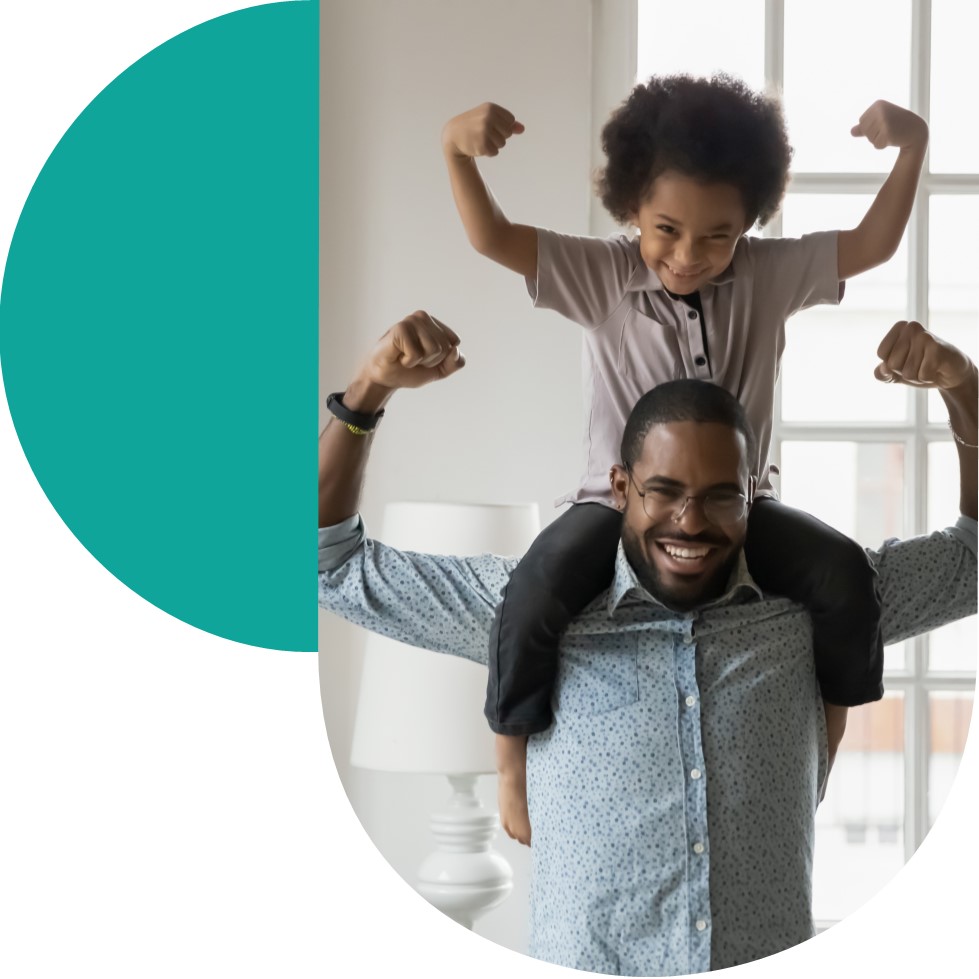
<point x="620" y="485"/>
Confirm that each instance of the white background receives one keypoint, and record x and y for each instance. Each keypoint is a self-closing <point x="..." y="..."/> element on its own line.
<point x="168" y="805"/>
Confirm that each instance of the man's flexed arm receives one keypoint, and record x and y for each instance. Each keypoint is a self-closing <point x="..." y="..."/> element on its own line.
<point x="911" y="355"/>
<point x="414" y="352"/>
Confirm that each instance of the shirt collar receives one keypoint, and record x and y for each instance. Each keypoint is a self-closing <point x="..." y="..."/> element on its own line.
<point x="644" y="279"/>
<point x="741" y="586"/>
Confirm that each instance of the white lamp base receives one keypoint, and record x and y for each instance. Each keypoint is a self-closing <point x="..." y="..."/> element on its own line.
<point x="464" y="877"/>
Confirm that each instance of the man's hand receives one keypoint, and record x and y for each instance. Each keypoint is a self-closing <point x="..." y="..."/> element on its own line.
<point x="886" y="124"/>
<point x="911" y="355"/>
<point x="418" y="350"/>
<point x="414" y="352"/>
<point x="482" y="131"/>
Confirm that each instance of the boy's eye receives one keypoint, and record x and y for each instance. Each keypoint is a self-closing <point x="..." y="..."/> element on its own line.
<point x="667" y="229"/>
<point x="720" y="236"/>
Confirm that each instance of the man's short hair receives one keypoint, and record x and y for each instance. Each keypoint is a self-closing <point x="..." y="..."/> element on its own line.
<point x="715" y="130"/>
<point x="685" y="400"/>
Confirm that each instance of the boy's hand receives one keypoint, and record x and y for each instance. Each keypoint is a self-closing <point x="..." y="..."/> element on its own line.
<point x="482" y="131"/>
<point x="886" y="124"/>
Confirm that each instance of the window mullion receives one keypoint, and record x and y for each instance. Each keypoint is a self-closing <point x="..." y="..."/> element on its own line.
<point x="916" y="800"/>
<point x="774" y="44"/>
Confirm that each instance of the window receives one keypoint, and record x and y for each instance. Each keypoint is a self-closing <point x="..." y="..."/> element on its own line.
<point x="893" y="465"/>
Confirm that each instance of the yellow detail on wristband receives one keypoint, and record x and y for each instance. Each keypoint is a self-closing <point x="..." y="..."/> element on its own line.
<point x="354" y="430"/>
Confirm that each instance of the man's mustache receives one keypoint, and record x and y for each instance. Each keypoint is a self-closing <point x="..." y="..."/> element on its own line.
<point x="679" y="535"/>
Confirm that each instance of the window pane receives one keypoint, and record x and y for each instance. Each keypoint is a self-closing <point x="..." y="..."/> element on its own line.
<point x="943" y="485"/>
<point x="674" y="37"/>
<point x="954" y="646"/>
<point x="856" y="487"/>
<point x="860" y="823"/>
<point x="835" y="347"/>
<point x="954" y="28"/>
<point x="840" y="57"/>
<point x="953" y="287"/>
<point x="949" y="715"/>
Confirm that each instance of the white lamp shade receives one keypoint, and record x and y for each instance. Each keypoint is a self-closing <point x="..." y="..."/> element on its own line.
<point x="420" y="711"/>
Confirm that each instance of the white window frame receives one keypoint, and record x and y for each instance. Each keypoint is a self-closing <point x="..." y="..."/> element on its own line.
<point x="614" y="43"/>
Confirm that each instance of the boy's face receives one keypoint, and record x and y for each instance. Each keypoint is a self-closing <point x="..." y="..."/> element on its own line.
<point x="689" y="230"/>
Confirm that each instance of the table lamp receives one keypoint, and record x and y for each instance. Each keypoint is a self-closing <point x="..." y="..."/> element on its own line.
<point x="422" y="712"/>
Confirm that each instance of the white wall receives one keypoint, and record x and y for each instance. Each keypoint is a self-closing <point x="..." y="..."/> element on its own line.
<point x="508" y="428"/>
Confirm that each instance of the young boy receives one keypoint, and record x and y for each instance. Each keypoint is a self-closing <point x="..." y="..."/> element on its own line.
<point x="693" y="164"/>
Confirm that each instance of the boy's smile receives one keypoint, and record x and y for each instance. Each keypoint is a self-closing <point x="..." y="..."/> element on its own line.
<point x="689" y="230"/>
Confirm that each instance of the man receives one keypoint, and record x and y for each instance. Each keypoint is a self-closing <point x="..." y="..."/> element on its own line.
<point x="673" y="799"/>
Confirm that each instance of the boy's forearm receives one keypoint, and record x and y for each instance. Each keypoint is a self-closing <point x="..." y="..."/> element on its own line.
<point x="481" y="215"/>
<point x="878" y="235"/>
<point x="489" y="231"/>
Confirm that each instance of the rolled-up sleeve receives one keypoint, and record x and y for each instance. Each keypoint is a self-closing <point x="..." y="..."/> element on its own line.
<point x="584" y="279"/>
<point x="927" y="582"/>
<point x="435" y="602"/>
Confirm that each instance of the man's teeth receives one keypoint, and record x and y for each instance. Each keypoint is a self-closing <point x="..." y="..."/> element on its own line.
<point x="689" y="553"/>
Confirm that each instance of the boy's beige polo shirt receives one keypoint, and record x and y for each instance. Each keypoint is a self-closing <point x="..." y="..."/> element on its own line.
<point x="637" y="336"/>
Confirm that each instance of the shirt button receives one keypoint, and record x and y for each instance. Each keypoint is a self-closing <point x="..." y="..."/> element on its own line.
<point x="695" y="773"/>
<point x="690" y="701"/>
<point x="691" y="314"/>
<point x="688" y="639"/>
<point x="698" y="848"/>
<point x="700" y="361"/>
<point x="701" y="924"/>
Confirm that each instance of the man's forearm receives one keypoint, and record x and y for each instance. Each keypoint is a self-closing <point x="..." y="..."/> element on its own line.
<point x="343" y="455"/>
<point x="963" y="415"/>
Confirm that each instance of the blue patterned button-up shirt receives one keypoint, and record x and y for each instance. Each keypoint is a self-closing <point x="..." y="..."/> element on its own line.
<point x="673" y="799"/>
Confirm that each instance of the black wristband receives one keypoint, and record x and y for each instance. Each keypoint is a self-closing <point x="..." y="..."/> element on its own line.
<point x="365" y="422"/>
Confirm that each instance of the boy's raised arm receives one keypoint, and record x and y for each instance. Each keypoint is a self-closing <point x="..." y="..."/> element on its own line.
<point x="877" y="236"/>
<point x="483" y="131"/>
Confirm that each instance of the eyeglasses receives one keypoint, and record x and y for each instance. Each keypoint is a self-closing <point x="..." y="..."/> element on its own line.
<point x="720" y="507"/>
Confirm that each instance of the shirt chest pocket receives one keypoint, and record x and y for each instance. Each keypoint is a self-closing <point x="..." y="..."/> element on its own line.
<point x="591" y="682"/>
<point x="649" y="351"/>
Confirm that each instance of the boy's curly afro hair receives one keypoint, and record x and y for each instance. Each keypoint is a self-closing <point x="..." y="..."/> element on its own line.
<point x="712" y="129"/>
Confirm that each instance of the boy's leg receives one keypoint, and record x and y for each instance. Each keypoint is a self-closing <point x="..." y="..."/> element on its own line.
<point x="511" y="767"/>
<point x="567" y="566"/>
<point x="792" y="553"/>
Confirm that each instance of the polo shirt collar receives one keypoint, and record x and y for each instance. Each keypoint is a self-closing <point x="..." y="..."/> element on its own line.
<point x="741" y="586"/>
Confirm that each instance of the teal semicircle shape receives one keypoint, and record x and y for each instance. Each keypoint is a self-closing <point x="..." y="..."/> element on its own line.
<point x="158" y="332"/>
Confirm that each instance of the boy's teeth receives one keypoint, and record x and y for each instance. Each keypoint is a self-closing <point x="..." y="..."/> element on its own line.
<point x="685" y="552"/>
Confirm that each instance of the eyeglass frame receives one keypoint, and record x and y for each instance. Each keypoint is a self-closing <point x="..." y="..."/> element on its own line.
<point x="703" y="498"/>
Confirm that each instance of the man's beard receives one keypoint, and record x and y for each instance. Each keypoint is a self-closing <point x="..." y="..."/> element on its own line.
<point x="649" y="576"/>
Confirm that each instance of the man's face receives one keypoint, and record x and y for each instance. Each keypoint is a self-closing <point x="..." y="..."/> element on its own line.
<point x="684" y="562"/>
<point x="689" y="230"/>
